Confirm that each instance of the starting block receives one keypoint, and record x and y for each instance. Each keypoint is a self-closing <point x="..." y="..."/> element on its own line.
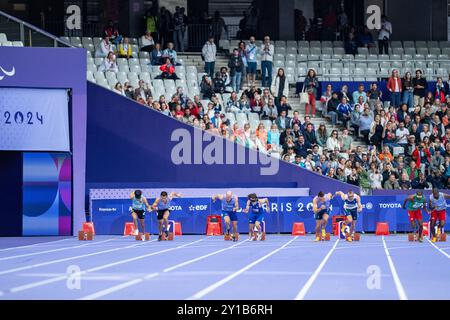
<point x="146" y="236"/>
<point x="89" y="227"/>
<point x="382" y="229"/>
<point x="129" y="229"/>
<point x="170" y="237"/>
<point x="213" y="229"/>
<point x="298" y="229"/>
<point x="412" y="237"/>
<point x="228" y="237"/>
<point x="85" y="236"/>
<point x="255" y="236"/>
<point x="263" y="230"/>
<point x="326" y="238"/>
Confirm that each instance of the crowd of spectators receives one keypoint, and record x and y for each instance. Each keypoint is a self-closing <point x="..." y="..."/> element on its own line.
<point x="408" y="139"/>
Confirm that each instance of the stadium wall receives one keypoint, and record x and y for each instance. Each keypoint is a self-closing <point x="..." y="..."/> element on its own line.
<point x="129" y="146"/>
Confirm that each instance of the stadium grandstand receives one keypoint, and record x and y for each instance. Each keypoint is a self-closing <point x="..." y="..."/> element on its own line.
<point x="292" y="122"/>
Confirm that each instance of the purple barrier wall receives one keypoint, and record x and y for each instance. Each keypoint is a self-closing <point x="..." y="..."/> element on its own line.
<point x="129" y="144"/>
<point x="56" y="68"/>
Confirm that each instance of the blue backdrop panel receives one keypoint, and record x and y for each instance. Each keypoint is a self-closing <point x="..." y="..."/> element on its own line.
<point x="110" y="216"/>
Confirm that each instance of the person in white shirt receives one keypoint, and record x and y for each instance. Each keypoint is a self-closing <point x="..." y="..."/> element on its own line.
<point x="333" y="142"/>
<point x="384" y="35"/>
<point x="147" y="42"/>
<point x="402" y="134"/>
<point x="103" y="48"/>
<point x="209" y="51"/>
<point x="109" y="64"/>
<point x="267" y="50"/>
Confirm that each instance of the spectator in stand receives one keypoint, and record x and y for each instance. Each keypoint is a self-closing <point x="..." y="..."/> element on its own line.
<point x="408" y="89"/>
<point x="219" y="84"/>
<point x="256" y="104"/>
<point x="267" y="51"/>
<point x="168" y="71"/>
<point x="157" y="55"/>
<point x="109" y="63"/>
<point x="104" y="48"/>
<point x="242" y="33"/>
<point x="251" y="52"/>
<point x="420" y="182"/>
<point x="310" y="135"/>
<point x="148" y="43"/>
<point x="282" y="121"/>
<point x="384" y="35"/>
<point x="345" y="94"/>
<point x="143" y="91"/>
<point x="310" y="85"/>
<point x="322" y="135"/>
<point x="252" y="21"/>
<point x="236" y="65"/>
<point x="280" y="86"/>
<point x="365" y="39"/>
<point x="243" y="54"/>
<point x="217" y="25"/>
<point x="119" y="89"/>
<point x="326" y="96"/>
<point x="151" y="20"/>
<point x="394" y="86"/>
<point x="165" y="26"/>
<point x="209" y="52"/>
<point x="171" y="54"/>
<point x="295" y="120"/>
<point x="374" y="95"/>
<point x="402" y="134"/>
<point x="440" y="91"/>
<point x="125" y="49"/>
<point x="178" y="29"/>
<point x="226" y="79"/>
<point x="376" y="132"/>
<point x="360" y="93"/>
<point x="112" y="33"/>
<point x="351" y="44"/>
<point x="269" y="111"/>
<point x="420" y="86"/>
<point x="332" y="105"/>
<point x="333" y="142"/>
<point x="284" y="105"/>
<point x="274" y="138"/>
<point x="344" y="110"/>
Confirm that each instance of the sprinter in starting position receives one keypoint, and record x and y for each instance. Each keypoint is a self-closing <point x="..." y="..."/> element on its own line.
<point x="256" y="215"/>
<point x="162" y="206"/>
<point x="352" y="206"/>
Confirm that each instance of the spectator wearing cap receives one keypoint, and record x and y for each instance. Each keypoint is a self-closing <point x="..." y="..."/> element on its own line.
<point x="267" y="50"/>
<point x="420" y="86"/>
<point x="394" y="86"/>
<point x="209" y="52"/>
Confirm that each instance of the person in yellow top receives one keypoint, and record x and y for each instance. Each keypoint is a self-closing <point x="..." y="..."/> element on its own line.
<point x="125" y="50"/>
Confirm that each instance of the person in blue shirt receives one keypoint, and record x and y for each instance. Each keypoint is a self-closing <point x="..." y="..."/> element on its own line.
<point x="229" y="207"/>
<point x="171" y="54"/>
<point x="162" y="206"/>
<point x="344" y="110"/>
<point x="139" y="203"/>
<point x="256" y="215"/>
<point x="352" y="206"/>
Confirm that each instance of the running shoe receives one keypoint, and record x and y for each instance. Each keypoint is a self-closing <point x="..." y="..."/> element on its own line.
<point x="160" y="237"/>
<point x="259" y="236"/>
<point x="323" y="233"/>
<point x="434" y="239"/>
<point x="317" y="239"/>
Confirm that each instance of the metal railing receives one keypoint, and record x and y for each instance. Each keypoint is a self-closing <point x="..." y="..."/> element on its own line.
<point x="31" y="36"/>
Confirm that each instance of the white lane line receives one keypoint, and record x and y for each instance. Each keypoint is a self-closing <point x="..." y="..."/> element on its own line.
<point x="33" y="245"/>
<point x="220" y="283"/>
<point x="202" y="257"/>
<point x="439" y="249"/>
<point x="398" y="284"/>
<point x="28" y="267"/>
<point x="101" y="267"/>
<point x="54" y="250"/>
<point x="116" y="288"/>
<point x="302" y="293"/>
